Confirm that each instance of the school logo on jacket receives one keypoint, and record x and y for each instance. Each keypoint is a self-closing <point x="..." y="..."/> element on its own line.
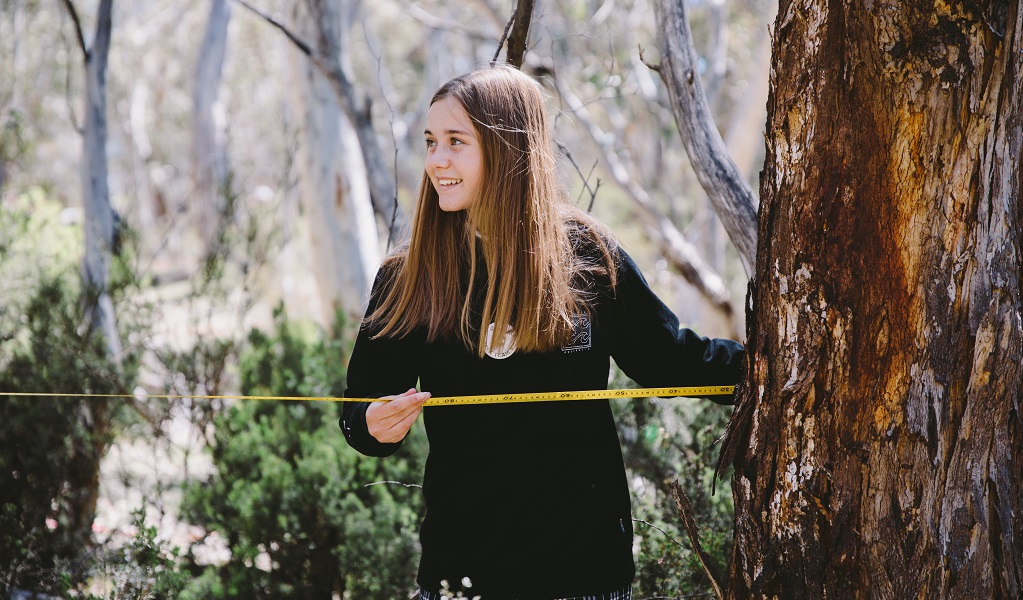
<point x="582" y="334"/>
<point x="507" y="347"/>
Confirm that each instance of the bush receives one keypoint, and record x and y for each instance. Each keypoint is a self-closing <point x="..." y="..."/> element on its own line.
<point x="290" y="498"/>
<point x="664" y="440"/>
<point x="52" y="446"/>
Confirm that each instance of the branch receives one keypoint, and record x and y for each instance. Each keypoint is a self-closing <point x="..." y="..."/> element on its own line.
<point x="673" y="245"/>
<point x="731" y="196"/>
<point x="78" y="27"/>
<point x="104" y="30"/>
<point x="520" y="33"/>
<point x="301" y="45"/>
<point x="686" y="512"/>
<point x="585" y="178"/>
<point x="504" y="36"/>
<point x="418" y="13"/>
<point x="408" y="485"/>
<point x="663" y="532"/>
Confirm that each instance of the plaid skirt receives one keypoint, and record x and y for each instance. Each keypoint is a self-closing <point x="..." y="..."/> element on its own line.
<point x="622" y="594"/>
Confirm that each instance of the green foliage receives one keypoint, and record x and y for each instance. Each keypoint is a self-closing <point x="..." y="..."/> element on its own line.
<point x="51" y="447"/>
<point x="142" y="569"/>
<point x="664" y="440"/>
<point x="290" y="497"/>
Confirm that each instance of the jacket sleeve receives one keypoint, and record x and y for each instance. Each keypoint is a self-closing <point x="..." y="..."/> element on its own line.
<point x="654" y="351"/>
<point x="378" y="367"/>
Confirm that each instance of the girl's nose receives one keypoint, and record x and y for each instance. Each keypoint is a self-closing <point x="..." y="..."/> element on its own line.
<point x="437" y="158"/>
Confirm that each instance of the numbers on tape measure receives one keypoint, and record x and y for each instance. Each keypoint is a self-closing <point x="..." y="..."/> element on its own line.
<point x="445" y="401"/>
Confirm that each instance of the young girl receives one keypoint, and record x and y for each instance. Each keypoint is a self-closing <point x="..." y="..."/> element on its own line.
<point x="506" y="287"/>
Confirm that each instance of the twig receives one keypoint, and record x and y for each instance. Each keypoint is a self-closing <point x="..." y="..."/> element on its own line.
<point x="394" y="140"/>
<point x="585" y="178"/>
<point x="686" y="512"/>
<point x="651" y="66"/>
<point x="67" y="92"/>
<point x="304" y="47"/>
<point x="674" y="246"/>
<point x="78" y="27"/>
<point x="666" y="534"/>
<point x="504" y="36"/>
<point x="408" y="485"/>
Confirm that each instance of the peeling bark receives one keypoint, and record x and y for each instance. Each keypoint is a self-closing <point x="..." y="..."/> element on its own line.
<point x="878" y="436"/>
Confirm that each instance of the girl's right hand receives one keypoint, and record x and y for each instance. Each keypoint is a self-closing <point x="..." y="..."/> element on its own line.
<point x="390" y="421"/>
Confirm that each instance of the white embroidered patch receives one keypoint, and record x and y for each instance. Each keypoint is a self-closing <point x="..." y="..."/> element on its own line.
<point x="507" y="347"/>
<point x="582" y="334"/>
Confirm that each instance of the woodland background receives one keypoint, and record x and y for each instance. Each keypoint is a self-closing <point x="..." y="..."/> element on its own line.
<point x="244" y="235"/>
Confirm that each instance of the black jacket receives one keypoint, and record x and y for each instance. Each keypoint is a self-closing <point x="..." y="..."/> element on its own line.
<point x="531" y="500"/>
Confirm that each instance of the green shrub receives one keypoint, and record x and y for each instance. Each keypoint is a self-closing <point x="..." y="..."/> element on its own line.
<point x="664" y="440"/>
<point x="290" y="498"/>
<point x="51" y="447"/>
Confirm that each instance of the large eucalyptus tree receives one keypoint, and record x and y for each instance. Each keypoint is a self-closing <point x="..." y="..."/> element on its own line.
<point x="878" y="439"/>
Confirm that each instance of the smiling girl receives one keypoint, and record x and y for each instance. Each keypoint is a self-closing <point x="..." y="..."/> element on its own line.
<point x="506" y="287"/>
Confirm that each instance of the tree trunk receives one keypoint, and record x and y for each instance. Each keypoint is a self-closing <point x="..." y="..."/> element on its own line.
<point x="209" y="148"/>
<point x="325" y="52"/>
<point x="330" y="58"/>
<point x="879" y="433"/>
<point x="99" y="218"/>
<point x="99" y="241"/>
<point x="335" y="196"/>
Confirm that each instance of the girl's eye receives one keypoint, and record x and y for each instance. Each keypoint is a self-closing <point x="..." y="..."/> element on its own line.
<point x="430" y="143"/>
<point x="456" y="142"/>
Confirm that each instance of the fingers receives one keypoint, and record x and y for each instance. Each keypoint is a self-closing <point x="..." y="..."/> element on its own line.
<point x="390" y="421"/>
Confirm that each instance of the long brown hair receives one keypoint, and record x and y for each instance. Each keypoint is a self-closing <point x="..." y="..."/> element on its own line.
<point x="522" y="224"/>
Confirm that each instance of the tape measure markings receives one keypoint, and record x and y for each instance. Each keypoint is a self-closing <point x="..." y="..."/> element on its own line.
<point x="717" y="390"/>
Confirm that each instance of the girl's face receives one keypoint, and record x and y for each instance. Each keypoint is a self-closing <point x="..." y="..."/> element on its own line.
<point x="454" y="159"/>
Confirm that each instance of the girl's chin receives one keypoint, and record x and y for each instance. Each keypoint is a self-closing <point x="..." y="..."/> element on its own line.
<point x="452" y="205"/>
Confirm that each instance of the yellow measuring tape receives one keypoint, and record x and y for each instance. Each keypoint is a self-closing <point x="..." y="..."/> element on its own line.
<point x="670" y="392"/>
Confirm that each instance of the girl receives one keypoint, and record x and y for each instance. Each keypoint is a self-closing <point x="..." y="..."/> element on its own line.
<point x="506" y="287"/>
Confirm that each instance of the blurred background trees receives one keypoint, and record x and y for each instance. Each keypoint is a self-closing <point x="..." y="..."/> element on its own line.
<point x="250" y="196"/>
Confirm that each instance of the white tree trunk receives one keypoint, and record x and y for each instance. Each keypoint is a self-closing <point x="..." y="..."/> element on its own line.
<point x="99" y="218"/>
<point x="345" y="246"/>
<point x="209" y="152"/>
<point x="731" y="196"/>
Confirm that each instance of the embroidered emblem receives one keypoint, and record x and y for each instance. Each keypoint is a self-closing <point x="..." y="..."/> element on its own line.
<point x="507" y="347"/>
<point x="582" y="334"/>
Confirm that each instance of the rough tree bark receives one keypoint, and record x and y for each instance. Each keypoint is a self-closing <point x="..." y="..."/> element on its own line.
<point x="336" y="200"/>
<point x="878" y="436"/>
<point x="209" y="147"/>
<point x="729" y="193"/>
